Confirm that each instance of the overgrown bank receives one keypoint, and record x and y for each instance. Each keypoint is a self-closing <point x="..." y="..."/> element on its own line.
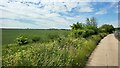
<point x="72" y="50"/>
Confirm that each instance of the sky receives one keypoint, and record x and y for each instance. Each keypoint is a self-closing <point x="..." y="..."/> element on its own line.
<point x="60" y="14"/>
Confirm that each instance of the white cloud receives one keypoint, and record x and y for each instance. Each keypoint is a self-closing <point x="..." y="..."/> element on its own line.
<point x="40" y="16"/>
<point x="70" y="5"/>
<point x="44" y="15"/>
<point x="76" y="0"/>
<point x="101" y="12"/>
<point x="86" y="9"/>
<point x="14" y="24"/>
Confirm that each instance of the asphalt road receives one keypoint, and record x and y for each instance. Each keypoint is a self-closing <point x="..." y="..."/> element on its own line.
<point x="106" y="53"/>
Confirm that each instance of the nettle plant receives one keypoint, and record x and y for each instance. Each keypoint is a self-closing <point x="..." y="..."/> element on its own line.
<point x="21" y="40"/>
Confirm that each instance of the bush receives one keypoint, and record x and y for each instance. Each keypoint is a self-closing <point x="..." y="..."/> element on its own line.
<point x="106" y="28"/>
<point x="97" y="38"/>
<point x="83" y="33"/>
<point x="35" y="39"/>
<point x="77" y="33"/>
<point x="91" y="27"/>
<point x="102" y="35"/>
<point x="21" y="40"/>
<point x="87" y="33"/>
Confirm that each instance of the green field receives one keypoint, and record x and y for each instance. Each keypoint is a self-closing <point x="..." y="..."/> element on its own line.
<point x="9" y="35"/>
<point x="51" y="47"/>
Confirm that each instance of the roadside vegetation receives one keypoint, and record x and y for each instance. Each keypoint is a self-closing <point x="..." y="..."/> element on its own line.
<point x="72" y="49"/>
<point x="117" y="33"/>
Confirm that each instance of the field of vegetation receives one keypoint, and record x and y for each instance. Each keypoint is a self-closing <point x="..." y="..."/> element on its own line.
<point x="9" y="35"/>
<point x="62" y="47"/>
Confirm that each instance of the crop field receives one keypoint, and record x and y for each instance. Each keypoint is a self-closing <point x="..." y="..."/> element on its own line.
<point x="9" y="35"/>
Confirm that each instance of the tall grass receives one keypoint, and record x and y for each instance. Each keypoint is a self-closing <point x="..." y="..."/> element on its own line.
<point x="62" y="52"/>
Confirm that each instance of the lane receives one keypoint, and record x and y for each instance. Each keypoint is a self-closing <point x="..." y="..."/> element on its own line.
<point x="106" y="53"/>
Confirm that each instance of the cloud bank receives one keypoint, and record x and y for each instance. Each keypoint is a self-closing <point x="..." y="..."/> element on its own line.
<point x="43" y="14"/>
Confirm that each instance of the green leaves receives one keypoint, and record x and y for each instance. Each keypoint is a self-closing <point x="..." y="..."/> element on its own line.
<point x="72" y="50"/>
<point x="77" y="26"/>
<point x="66" y="51"/>
<point x="21" y="40"/>
<point x="91" y="21"/>
<point x="106" y="28"/>
<point x="85" y="30"/>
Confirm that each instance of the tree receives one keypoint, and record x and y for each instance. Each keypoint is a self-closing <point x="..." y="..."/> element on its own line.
<point x="91" y="21"/>
<point x="88" y="21"/>
<point x="84" y="30"/>
<point x="106" y="28"/>
<point x="77" y="26"/>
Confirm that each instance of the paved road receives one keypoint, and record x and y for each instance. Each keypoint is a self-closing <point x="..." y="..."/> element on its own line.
<point x="106" y="53"/>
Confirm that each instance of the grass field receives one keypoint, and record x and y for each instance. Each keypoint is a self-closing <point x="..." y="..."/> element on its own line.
<point x="54" y="47"/>
<point x="9" y="35"/>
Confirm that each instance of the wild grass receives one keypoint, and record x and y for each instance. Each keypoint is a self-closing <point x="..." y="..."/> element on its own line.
<point x="51" y="47"/>
<point x="62" y="52"/>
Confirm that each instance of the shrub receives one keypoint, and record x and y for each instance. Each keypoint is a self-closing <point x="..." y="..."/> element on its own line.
<point x="102" y="35"/>
<point x="83" y="33"/>
<point x="97" y="38"/>
<point x="21" y="40"/>
<point x="87" y="33"/>
<point x="107" y="28"/>
<point x="77" y="25"/>
<point x="91" y="27"/>
<point x="35" y="39"/>
<point x="77" y="33"/>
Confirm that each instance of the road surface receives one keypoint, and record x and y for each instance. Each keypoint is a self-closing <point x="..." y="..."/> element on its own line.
<point x="106" y="53"/>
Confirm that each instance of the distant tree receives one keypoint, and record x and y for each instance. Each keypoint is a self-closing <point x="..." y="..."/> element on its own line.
<point x="77" y="26"/>
<point x="84" y="30"/>
<point x="107" y="28"/>
<point x="91" y="21"/>
<point x="88" y="21"/>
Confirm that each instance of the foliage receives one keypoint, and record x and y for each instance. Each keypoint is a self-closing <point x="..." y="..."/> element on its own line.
<point x="21" y="40"/>
<point x="83" y="33"/>
<point x="53" y="36"/>
<point x="62" y="52"/>
<point x="9" y="35"/>
<point x="84" y="30"/>
<point x="106" y="28"/>
<point x="35" y="39"/>
<point x="97" y="38"/>
<point x="117" y="29"/>
<point x="77" y="26"/>
<point x="61" y="49"/>
<point x="91" y="21"/>
<point x="102" y="35"/>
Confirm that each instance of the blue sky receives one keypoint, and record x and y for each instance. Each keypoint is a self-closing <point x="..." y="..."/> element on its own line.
<point x="41" y="14"/>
